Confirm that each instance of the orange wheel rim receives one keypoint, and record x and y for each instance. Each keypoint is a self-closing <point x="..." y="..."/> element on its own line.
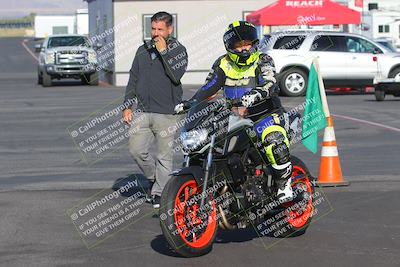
<point x="193" y="230"/>
<point x="299" y="218"/>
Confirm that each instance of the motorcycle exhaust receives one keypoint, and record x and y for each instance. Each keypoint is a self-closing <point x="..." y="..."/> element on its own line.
<point x="224" y="224"/>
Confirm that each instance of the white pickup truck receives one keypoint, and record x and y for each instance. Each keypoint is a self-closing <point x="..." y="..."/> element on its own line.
<point x="67" y="56"/>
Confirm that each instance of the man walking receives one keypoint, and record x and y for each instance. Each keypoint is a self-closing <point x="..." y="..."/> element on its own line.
<point x="154" y="81"/>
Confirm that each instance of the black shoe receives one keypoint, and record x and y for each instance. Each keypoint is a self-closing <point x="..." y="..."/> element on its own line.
<point x="156" y="202"/>
<point x="149" y="196"/>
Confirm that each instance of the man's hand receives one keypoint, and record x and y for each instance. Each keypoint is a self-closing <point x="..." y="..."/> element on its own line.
<point x="127" y="116"/>
<point x="161" y="44"/>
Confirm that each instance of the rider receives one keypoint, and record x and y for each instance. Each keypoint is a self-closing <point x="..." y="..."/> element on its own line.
<point x="247" y="75"/>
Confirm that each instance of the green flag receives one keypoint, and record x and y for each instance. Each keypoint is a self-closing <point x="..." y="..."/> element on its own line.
<point x="314" y="117"/>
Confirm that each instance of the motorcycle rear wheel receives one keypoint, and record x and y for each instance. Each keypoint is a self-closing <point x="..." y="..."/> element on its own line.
<point x="296" y="219"/>
<point x="188" y="232"/>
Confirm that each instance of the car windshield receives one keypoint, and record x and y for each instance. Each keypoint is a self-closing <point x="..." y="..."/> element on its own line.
<point x="265" y="42"/>
<point x="387" y="45"/>
<point x="67" y="41"/>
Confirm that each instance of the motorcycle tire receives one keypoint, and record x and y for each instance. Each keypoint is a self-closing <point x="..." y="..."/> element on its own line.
<point x="188" y="233"/>
<point x="296" y="221"/>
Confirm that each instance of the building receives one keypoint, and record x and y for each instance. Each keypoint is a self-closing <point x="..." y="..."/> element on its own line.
<point x="62" y="24"/>
<point x="382" y="24"/>
<point x="120" y="26"/>
<point x="82" y="21"/>
<point x="380" y="19"/>
<point x="384" y="4"/>
<point x="385" y="23"/>
<point x="53" y="24"/>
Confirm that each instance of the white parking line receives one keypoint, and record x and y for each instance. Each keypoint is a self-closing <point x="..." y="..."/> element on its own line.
<point x="23" y="43"/>
<point x="368" y="122"/>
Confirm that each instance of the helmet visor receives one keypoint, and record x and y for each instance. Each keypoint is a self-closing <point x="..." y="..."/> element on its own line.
<point x="239" y="34"/>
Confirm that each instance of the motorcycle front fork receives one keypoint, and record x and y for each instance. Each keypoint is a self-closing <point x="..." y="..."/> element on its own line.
<point x="186" y="161"/>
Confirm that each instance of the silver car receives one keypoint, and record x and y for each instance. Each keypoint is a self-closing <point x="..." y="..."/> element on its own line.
<point x="67" y="56"/>
<point x="345" y="59"/>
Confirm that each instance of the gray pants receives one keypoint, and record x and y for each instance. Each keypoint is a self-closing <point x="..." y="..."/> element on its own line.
<point x="157" y="129"/>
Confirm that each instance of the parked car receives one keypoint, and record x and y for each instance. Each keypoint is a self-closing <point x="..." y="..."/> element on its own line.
<point x="346" y="60"/>
<point x="385" y="87"/>
<point x="388" y="43"/>
<point x="67" y="56"/>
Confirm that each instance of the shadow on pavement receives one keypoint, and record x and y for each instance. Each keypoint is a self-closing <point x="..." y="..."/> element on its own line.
<point x="386" y="100"/>
<point x="333" y="92"/>
<point x="143" y="184"/>
<point x="160" y="245"/>
<point x="67" y="83"/>
<point x="240" y="235"/>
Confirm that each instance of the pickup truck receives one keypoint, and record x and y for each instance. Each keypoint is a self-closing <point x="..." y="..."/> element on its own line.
<point x="67" y="56"/>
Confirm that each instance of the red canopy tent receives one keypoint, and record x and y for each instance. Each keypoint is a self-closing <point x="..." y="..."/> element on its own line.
<point x="319" y="12"/>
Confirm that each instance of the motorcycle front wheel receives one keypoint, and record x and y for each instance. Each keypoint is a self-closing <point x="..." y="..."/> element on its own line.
<point x="188" y="230"/>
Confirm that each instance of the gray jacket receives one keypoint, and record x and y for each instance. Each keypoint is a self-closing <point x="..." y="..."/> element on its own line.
<point x="155" y="79"/>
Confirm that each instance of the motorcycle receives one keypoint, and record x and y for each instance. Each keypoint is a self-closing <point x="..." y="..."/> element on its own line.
<point x="225" y="182"/>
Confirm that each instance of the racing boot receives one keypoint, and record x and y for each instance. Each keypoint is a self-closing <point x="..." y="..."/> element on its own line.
<point x="285" y="192"/>
<point x="276" y="146"/>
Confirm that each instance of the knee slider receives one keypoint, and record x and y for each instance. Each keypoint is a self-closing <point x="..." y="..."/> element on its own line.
<point x="281" y="153"/>
<point x="278" y="143"/>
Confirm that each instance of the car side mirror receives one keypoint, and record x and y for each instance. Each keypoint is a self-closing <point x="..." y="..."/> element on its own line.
<point x="377" y="51"/>
<point x="38" y="47"/>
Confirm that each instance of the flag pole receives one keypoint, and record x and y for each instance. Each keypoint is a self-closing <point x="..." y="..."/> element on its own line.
<point x="322" y="89"/>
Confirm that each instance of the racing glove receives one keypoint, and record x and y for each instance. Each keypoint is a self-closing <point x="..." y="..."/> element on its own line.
<point x="254" y="96"/>
<point x="183" y="106"/>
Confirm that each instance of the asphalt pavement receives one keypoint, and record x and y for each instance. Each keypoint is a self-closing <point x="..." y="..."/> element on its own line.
<point x="44" y="177"/>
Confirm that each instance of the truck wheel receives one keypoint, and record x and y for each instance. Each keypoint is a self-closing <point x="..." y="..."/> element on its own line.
<point x="90" y="79"/>
<point x="40" y="79"/>
<point x="46" y="79"/>
<point x="379" y="94"/>
<point x="293" y="82"/>
<point x="94" y="79"/>
<point x="85" y="79"/>
<point x="395" y="73"/>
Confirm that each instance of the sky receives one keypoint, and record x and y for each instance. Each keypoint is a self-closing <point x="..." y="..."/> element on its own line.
<point x="21" y="8"/>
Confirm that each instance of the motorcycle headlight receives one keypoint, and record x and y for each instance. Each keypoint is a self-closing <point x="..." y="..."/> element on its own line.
<point x="92" y="57"/>
<point x="49" y="58"/>
<point x="192" y="139"/>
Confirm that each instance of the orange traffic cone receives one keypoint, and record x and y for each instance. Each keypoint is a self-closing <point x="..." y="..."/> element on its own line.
<point x="330" y="173"/>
